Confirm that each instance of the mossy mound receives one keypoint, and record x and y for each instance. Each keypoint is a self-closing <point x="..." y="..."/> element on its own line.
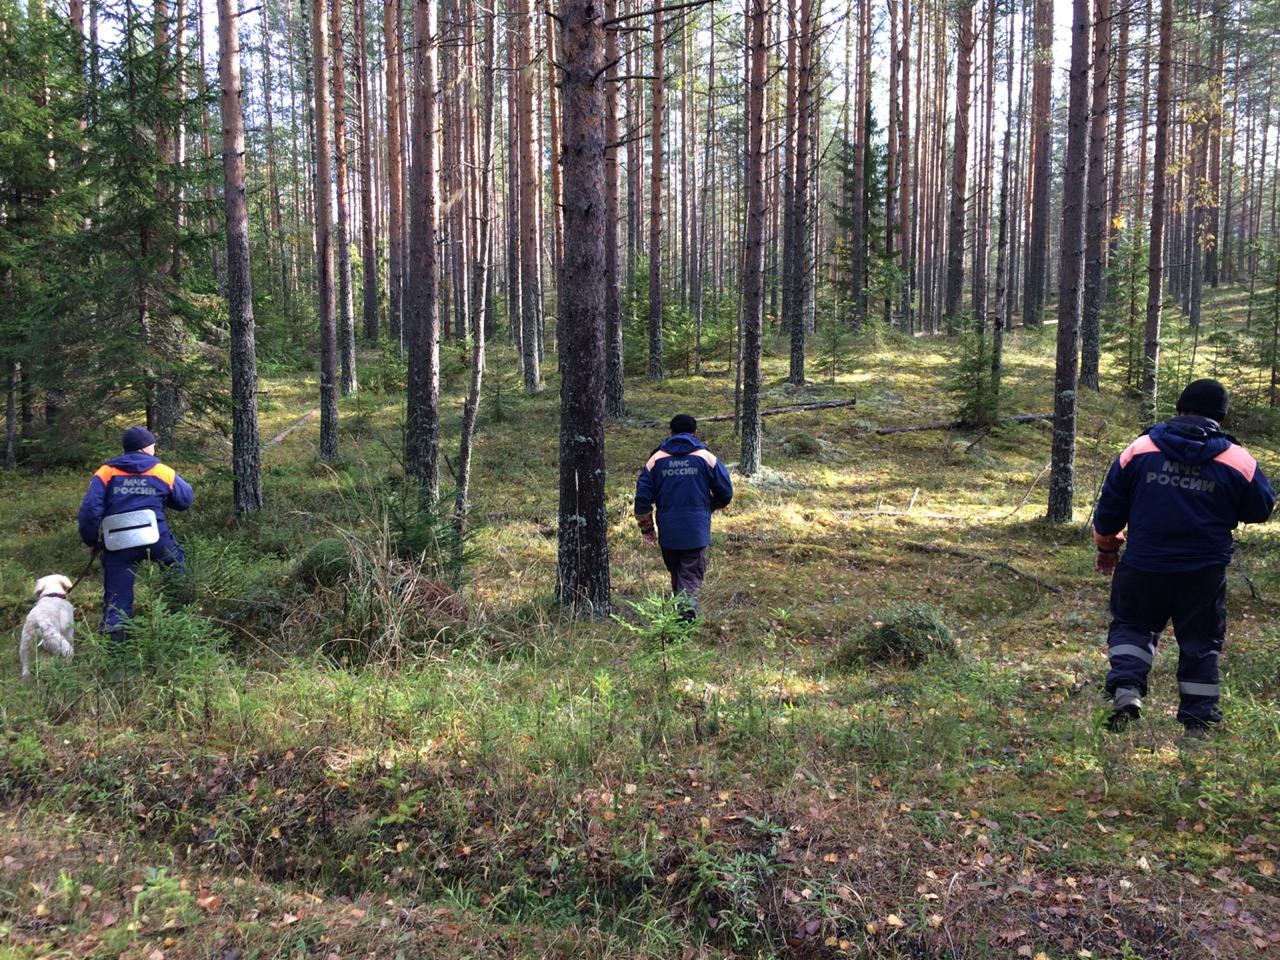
<point x="804" y="445"/>
<point x="905" y="636"/>
<point x="326" y="562"/>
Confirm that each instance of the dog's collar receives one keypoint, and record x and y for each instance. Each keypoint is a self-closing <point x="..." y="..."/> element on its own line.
<point x="56" y="596"/>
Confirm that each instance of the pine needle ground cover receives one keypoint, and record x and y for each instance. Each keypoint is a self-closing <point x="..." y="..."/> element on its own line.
<point x="271" y="770"/>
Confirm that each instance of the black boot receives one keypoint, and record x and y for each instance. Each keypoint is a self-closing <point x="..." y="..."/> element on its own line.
<point x="1126" y="706"/>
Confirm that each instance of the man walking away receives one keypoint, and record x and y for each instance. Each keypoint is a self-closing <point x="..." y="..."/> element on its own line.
<point x="686" y="483"/>
<point x="1180" y="488"/>
<point x="123" y="514"/>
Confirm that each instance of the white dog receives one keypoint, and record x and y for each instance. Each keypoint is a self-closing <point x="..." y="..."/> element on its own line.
<point x="50" y="623"/>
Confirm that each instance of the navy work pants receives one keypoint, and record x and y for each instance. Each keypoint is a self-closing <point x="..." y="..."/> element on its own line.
<point x="687" y="569"/>
<point x="120" y="572"/>
<point x="1142" y="604"/>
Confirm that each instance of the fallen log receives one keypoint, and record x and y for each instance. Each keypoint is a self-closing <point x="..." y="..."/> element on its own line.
<point x="994" y="561"/>
<point x="288" y="430"/>
<point x="790" y="408"/>
<point x="960" y="424"/>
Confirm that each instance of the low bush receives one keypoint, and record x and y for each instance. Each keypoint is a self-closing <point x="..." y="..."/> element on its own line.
<point x="905" y="636"/>
<point x="326" y="563"/>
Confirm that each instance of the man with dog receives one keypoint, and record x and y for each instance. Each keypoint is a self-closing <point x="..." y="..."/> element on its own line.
<point x="122" y="515"/>
<point x="685" y="482"/>
<point x="1180" y="488"/>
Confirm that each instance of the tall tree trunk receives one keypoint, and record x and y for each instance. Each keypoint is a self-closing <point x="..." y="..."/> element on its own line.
<point x="1002" y="235"/>
<point x="557" y="187"/>
<point x="891" y="225"/>
<point x="1033" y="295"/>
<point x="904" y="175"/>
<point x="959" y="169"/>
<point x="655" y="204"/>
<point x="324" y="240"/>
<point x="857" y="212"/>
<point x="615" y="391"/>
<point x="275" y="248"/>
<point x="582" y="567"/>
<point x="245" y="470"/>
<point x="1096" y="217"/>
<point x="1116" y="226"/>
<point x="395" y="171"/>
<point x="346" y="293"/>
<point x="462" y="502"/>
<point x="530" y="258"/>
<point x="753" y="260"/>
<point x="1155" y="254"/>
<point x="798" y="259"/>
<point x="368" y="241"/>
<point x="1062" y="472"/>
<point x="422" y="316"/>
<point x="515" y="286"/>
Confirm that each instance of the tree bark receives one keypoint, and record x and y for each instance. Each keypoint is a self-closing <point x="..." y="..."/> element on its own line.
<point x="655" y="204"/>
<point x="615" y="389"/>
<point x="368" y="236"/>
<point x="530" y="240"/>
<point x="857" y="212"/>
<point x="582" y="567"/>
<point x="753" y="260"/>
<point x="422" y="317"/>
<point x="1155" y="250"/>
<point x="959" y="169"/>
<point x="462" y="502"/>
<point x="1096" y="217"/>
<point x="245" y="469"/>
<point x="797" y="260"/>
<point x="324" y="239"/>
<point x="1063" y="457"/>
<point x="1115" y="228"/>
<point x="346" y="292"/>
<point x="395" y="172"/>
<point x="1041" y="95"/>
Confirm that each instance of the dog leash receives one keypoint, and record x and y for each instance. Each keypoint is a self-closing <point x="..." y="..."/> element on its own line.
<point x="93" y="555"/>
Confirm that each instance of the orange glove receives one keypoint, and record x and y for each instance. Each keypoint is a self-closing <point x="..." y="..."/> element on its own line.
<point x="1108" y="555"/>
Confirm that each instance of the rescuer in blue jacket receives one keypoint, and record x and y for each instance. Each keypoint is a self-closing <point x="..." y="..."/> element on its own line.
<point x="1180" y="488"/>
<point x="686" y="483"/>
<point x="122" y="514"/>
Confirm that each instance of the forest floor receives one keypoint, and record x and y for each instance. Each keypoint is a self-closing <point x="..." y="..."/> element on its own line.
<point x="269" y="771"/>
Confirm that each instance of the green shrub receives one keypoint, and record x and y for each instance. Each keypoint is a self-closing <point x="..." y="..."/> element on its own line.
<point x="905" y="636"/>
<point x="327" y="563"/>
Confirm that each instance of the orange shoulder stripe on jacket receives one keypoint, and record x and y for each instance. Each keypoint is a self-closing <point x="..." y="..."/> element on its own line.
<point x="1239" y="459"/>
<point x="657" y="455"/>
<point x="105" y="473"/>
<point x="163" y="472"/>
<point x="706" y="456"/>
<point x="1143" y="444"/>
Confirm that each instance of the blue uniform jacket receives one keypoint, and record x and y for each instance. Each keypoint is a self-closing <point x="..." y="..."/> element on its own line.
<point x="1181" y="489"/>
<point x="685" y="481"/>
<point x="133" y="481"/>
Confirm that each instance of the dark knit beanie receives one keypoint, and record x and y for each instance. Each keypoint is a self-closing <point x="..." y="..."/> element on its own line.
<point x="135" y="438"/>
<point x="1205" y="397"/>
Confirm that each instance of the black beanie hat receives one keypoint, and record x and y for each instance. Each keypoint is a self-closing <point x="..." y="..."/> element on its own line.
<point x="135" y="438"/>
<point x="1205" y="397"/>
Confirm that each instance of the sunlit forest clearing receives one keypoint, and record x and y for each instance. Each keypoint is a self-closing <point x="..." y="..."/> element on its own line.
<point x="367" y="337"/>
<point x="524" y="785"/>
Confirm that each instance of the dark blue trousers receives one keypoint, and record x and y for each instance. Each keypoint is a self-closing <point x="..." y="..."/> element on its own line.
<point x="1142" y="604"/>
<point x="687" y="569"/>
<point x="120" y="573"/>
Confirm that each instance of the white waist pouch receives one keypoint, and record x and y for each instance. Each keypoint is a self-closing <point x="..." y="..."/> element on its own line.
<point x="138" y="528"/>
